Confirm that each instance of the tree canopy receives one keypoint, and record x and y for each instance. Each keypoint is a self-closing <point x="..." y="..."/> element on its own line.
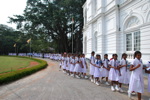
<point x="51" y="24"/>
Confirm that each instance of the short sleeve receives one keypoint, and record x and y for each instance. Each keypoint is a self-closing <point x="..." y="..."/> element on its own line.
<point x="110" y="63"/>
<point x="133" y="62"/>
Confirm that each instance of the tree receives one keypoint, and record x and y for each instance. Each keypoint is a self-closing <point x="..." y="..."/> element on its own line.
<point x="53" y="22"/>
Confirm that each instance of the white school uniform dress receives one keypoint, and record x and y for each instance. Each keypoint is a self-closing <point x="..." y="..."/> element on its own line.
<point x="105" y="72"/>
<point x="60" y="58"/>
<point x="72" y="66"/>
<point x="97" y="72"/>
<point x="77" y="65"/>
<point x="148" y="65"/>
<point x="136" y="80"/>
<point x="113" y="73"/>
<point x="68" y="63"/>
<point x="92" y="68"/>
<point x="125" y="75"/>
<point x="64" y="62"/>
<point x="84" y="65"/>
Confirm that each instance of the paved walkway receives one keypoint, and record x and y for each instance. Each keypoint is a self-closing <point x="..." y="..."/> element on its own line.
<point x="52" y="84"/>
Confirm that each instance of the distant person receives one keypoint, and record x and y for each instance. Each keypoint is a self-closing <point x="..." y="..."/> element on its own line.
<point x="112" y="57"/>
<point x="97" y="72"/>
<point x="114" y="72"/>
<point x="92" y="68"/>
<point x="105" y="72"/>
<point x="85" y="67"/>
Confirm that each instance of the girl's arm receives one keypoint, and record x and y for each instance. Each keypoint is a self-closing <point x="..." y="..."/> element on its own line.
<point x="133" y="68"/>
<point x="122" y="66"/>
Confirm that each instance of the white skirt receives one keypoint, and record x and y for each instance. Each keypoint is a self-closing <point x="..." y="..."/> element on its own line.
<point x="77" y="68"/>
<point x="105" y="73"/>
<point x="124" y="78"/>
<point x="113" y="75"/>
<point x="149" y="83"/>
<point x="68" y="67"/>
<point x="84" y="69"/>
<point x="92" y="68"/>
<point x="136" y="83"/>
<point x="64" y="66"/>
<point x="72" y="68"/>
<point x="97" y="72"/>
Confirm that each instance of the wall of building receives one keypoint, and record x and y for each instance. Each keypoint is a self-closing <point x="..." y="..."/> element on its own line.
<point x="109" y="24"/>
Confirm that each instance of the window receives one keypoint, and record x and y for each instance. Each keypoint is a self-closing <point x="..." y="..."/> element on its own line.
<point x="133" y="41"/>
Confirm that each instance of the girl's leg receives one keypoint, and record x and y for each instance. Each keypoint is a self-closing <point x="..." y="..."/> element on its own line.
<point x="139" y="96"/>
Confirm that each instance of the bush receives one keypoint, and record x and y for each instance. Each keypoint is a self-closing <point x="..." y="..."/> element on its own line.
<point x="15" y="75"/>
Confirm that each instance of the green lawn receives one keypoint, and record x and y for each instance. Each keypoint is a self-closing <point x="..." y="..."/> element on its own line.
<point x="8" y="64"/>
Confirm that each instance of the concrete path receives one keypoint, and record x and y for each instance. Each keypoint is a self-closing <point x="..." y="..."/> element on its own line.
<point x="52" y="84"/>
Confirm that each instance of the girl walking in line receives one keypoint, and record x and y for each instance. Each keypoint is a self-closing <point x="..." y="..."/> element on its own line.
<point x="114" y="72"/>
<point x="136" y="80"/>
<point x="92" y="67"/>
<point x="125" y="75"/>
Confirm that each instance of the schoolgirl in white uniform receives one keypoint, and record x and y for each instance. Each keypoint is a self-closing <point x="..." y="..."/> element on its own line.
<point x="60" y="60"/>
<point x="147" y="70"/>
<point x="114" y="72"/>
<point x="72" y="66"/>
<point x="97" y="65"/>
<point x="92" y="67"/>
<point x="136" y="80"/>
<point x="68" y="65"/>
<point x="77" y="66"/>
<point x="64" y="60"/>
<point x="105" y="72"/>
<point x="125" y="75"/>
<point x="84" y="66"/>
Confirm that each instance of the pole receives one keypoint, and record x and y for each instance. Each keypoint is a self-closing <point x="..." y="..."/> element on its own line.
<point x="72" y="37"/>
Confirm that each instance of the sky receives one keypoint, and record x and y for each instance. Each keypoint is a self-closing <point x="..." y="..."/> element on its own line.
<point x="8" y="8"/>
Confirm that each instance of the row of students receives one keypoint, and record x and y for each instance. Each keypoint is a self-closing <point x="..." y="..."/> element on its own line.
<point x="114" y="70"/>
<point x="119" y="73"/>
<point x="74" y="65"/>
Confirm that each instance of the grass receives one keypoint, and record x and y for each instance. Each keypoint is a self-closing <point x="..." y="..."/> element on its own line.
<point x="8" y="64"/>
<point x="18" y="74"/>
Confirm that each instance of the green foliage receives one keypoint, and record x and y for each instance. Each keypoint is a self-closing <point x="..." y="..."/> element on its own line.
<point x="51" y="22"/>
<point x="9" y="77"/>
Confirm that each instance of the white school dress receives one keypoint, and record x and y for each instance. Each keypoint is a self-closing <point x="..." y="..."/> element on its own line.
<point x="72" y="66"/>
<point x="77" y="65"/>
<point x="125" y="75"/>
<point x="68" y="63"/>
<point x="113" y="73"/>
<point x="84" y="65"/>
<point x="136" y="80"/>
<point x="105" y="72"/>
<point x="148" y="65"/>
<point x="64" y="62"/>
<point x="60" y="58"/>
<point x="97" y="72"/>
<point x="92" y="68"/>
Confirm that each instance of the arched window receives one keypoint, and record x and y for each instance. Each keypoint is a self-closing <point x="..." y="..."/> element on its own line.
<point x="133" y="39"/>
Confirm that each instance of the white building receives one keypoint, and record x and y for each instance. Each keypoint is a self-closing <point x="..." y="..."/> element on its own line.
<point x="117" y="26"/>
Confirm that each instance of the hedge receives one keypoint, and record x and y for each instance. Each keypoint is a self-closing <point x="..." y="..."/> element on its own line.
<point x="15" y="75"/>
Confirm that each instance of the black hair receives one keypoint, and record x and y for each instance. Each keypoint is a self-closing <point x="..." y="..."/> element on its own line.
<point x="106" y="55"/>
<point x="137" y="52"/>
<point x="124" y="54"/>
<point x="78" y="55"/>
<point x="115" y="55"/>
<point x="92" y="52"/>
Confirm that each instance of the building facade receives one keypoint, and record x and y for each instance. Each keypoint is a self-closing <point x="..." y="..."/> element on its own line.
<point x="117" y="26"/>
